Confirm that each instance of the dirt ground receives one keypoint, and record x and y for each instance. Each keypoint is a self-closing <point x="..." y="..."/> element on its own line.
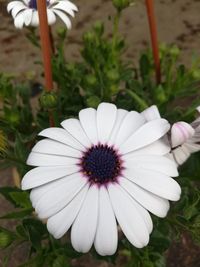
<point x="178" y="22"/>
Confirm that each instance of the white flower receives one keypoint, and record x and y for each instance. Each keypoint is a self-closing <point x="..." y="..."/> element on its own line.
<point x="185" y="139"/>
<point x="108" y="166"/>
<point x="24" y="12"/>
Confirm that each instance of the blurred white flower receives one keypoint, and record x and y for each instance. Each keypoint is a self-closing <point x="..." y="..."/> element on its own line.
<point x="185" y="139"/>
<point x="108" y="166"/>
<point x="24" y="12"/>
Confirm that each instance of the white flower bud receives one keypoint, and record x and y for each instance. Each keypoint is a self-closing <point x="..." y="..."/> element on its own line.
<point x="180" y="133"/>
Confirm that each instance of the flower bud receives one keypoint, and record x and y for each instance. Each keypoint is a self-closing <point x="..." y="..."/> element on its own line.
<point x="114" y="89"/>
<point x="48" y="100"/>
<point x="121" y="4"/>
<point x="62" y="32"/>
<point x="174" y="51"/>
<point x="89" y="37"/>
<point x="90" y="80"/>
<point x="5" y="239"/>
<point x="196" y="74"/>
<point x="13" y="118"/>
<point x="160" y="94"/>
<point x="93" y="101"/>
<point x="180" y="133"/>
<point x="113" y="75"/>
<point x="99" y="28"/>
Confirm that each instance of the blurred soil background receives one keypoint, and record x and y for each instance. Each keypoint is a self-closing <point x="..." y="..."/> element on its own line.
<point x="178" y="22"/>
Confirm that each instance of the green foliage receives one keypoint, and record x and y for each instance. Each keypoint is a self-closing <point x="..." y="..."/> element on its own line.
<point x="102" y="74"/>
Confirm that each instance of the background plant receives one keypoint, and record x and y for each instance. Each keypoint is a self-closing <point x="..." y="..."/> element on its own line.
<point x="102" y="74"/>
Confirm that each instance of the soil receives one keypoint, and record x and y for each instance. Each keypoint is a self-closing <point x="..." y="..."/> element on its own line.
<point x="178" y="22"/>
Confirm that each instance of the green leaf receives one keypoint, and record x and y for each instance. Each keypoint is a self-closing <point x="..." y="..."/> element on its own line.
<point x="35" y="230"/>
<point x="60" y="261"/>
<point x="6" y="191"/>
<point x="145" y="66"/>
<point x="17" y="214"/>
<point x="21" y="199"/>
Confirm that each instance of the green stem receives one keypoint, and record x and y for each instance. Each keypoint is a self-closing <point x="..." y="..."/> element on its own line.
<point x="142" y="103"/>
<point x="116" y="28"/>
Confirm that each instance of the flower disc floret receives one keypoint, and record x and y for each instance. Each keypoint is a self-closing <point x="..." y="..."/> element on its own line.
<point x="101" y="164"/>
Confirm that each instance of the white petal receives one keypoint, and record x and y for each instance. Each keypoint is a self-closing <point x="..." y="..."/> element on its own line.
<point x="145" y="135"/>
<point x="160" y="147"/>
<point x="132" y="122"/>
<point x="180" y="133"/>
<point x="156" y="205"/>
<point x="198" y="109"/>
<point x="62" y="136"/>
<point x="60" y="223"/>
<point x="38" y="192"/>
<point x="85" y="225"/>
<point x="106" y="116"/>
<point x="192" y="147"/>
<point x="128" y="216"/>
<point x="65" y="7"/>
<point x="42" y="175"/>
<point x="106" y="235"/>
<point x="35" y="19"/>
<point x="60" y="195"/>
<point x="121" y="113"/>
<point x="73" y="126"/>
<point x="152" y="162"/>
<point x="68" y="5"/>
<point x="19" y="21"/>
<point x="87" y="119"/>
<point x="181" y="154"/>
<point x="51" y="16"/>
<point x="17" y="8"/>
<point x="154" y="182"/>
<point x="14" y="4"/>
<point x="28" y="13"/>
<point x="146" y="216"/>
<point x="64" y="18"/>
<point x="48" y="146"/>
<point x="37" y="159"/>
<point x="151" y="113"/>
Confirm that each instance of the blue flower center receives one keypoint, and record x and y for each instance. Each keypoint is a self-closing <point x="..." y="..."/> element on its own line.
<point x="101" y="164"/>
<point x="33" y="4"/>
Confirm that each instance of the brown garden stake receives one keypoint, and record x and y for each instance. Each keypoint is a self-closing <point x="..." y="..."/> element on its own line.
<point x="46" y="48"/>
<point x="154" y="38"/>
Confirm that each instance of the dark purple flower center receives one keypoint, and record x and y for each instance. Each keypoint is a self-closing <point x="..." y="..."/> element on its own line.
<point x="33" y="4"/>
<point x="101" y="164"/>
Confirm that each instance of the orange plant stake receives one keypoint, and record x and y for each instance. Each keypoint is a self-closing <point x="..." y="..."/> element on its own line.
<point x="154" y="38"/>
<point x="46" y="48"/>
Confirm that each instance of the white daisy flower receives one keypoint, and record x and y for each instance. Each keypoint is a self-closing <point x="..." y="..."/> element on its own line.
<point x="106" y="168"/>
<point x="24" y="12"/>
<point x="185" y="139"/>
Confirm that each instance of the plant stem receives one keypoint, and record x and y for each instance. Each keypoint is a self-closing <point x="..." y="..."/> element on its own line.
<point x="116" y="27"/>
<point x="46" y="48"/>
<point x="154" y="38"/>
<point x="53" y="49"/>
<point x="138" y="99"/>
